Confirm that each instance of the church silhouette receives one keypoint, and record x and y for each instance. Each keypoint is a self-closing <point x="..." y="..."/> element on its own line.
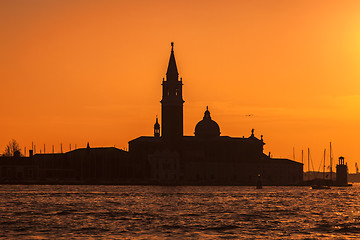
<point x="206" y="158"/>
<point x="166" y="158"/>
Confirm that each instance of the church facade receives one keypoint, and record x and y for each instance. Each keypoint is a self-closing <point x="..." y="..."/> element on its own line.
<point x="207" y="158"/>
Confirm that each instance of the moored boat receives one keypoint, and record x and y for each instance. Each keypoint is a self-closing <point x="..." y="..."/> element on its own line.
<point x="321" y="184"/>
<point x="320" y="187"/>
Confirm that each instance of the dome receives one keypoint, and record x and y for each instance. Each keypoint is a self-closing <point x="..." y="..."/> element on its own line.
<point x="207" y="127"/>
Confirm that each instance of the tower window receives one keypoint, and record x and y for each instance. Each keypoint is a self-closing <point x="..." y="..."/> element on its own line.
<point x="176" y="92"/>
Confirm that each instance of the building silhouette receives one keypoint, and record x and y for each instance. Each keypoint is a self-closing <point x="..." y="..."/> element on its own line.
<point x="168" y="157"/>
<point x="172" y="104"/>
<point x="341" y="173"/>
<point x="207" y="157"/>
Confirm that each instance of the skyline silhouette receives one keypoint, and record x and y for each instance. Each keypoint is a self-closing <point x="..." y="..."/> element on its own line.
<point x="91" y="72"/>
<point x="169" y="158"/>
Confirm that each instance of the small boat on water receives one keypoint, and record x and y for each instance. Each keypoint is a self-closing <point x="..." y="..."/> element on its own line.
<point x="320" y="187"/>
<point x="259" y="183"/>
<point x="322" y="184"/>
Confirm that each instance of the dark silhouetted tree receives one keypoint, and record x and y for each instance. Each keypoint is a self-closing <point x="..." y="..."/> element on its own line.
<point x="12" y="149"/>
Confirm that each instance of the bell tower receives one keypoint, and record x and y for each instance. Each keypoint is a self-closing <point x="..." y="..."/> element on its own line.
<point x="172" y="103"/>
<point x="157" y="128"/>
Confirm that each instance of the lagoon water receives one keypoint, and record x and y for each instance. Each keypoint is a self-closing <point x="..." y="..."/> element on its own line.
<point x="148" y="212"/>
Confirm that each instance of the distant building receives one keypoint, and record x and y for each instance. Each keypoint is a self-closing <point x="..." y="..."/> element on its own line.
<point x="18" y="169"/>
<point x="207" y="157"/>
<point x="341" y="173"/>
<point x="85" y="165"/>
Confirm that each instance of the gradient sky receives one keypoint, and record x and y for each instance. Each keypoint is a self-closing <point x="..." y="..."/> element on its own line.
<point x="79" y="71"/>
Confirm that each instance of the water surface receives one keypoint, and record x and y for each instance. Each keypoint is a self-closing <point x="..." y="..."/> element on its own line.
<point x="63" y="212"/>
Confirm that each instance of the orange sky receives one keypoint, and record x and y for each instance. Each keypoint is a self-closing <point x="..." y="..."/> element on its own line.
<point x="79" y="71"/>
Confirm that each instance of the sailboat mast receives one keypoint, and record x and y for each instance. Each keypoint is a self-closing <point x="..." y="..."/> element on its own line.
<point x="330" y="164"/>
<point x="302" y="157"/>
<point x="324" y="164"/>
<point x="294" y="153"/>
<point x="309" y="162"/>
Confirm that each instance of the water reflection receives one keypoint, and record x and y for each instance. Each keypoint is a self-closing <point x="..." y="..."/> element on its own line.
<point x="178" y="212"/>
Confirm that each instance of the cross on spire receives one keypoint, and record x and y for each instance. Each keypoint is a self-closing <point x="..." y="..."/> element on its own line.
<point x="172" y="72"/>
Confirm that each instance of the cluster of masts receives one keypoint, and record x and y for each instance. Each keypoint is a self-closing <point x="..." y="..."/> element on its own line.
<point x="322" y="163"/>
<point x="44" y="149"/>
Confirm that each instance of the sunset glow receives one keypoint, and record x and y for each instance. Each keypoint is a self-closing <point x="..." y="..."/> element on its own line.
<point x="74" y="72"/>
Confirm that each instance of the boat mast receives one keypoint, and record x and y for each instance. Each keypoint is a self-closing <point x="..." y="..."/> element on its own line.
<point x="302" y="160"/>
<point x="302" y="157"/>
<point x="294" y="153"/>
<point x="324" y="164"/>
<point x="309" y="162"/>
<point x="330" y="164"/>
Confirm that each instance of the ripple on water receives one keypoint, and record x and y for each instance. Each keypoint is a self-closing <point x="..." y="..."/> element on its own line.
<point x="178" y="212"/>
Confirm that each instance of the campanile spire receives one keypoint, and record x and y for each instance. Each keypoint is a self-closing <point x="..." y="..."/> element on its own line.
<point x="172" y="73"/>
<point x="172" y="103"/>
